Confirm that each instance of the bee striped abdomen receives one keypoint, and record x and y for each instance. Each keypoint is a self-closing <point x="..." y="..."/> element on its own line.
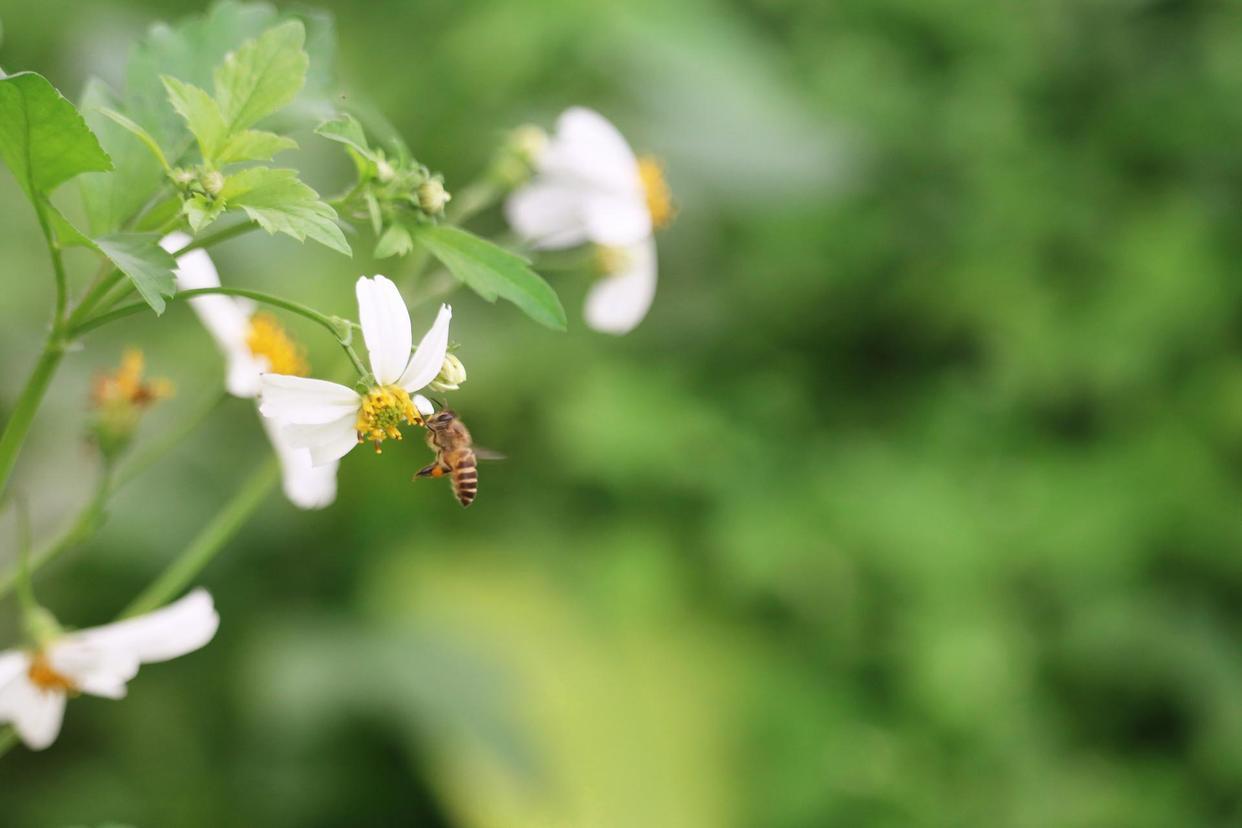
<point x="465" y="475"/>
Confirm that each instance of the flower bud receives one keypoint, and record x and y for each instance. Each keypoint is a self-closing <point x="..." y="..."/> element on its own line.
<point x="432" y="196"/>
<point x="517" y="157"/>
<point x="213" y="182"/>
<point x="183" y="177"/>
<point x="384" y="171"/>
<point x="452" y="375"/>
<point x="528" y="142"/>
<point x="119" y="401"/>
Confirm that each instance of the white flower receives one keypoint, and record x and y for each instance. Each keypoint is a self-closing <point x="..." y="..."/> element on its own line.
<point x="590" y="187"/>
<point x="253" y="343"/>
<point x="330" y="419"/>
<point x="97" y="661"/>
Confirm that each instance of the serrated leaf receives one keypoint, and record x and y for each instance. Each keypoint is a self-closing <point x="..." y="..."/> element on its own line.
<point x="43" y="138"/>
<point x="262" y="76"/>
<point x="396" y="241"/>
<point x="111" y="199"/>
<point x="346" y="130"/>
<point x="253" y="145"/>
<point x="140" y="257"/>
<point x="191" y="50"/>
<point x="492" y="272"/>
<point x="281" y="203"/>
<point x="200" y="212"/>
<point x="201" y="113"/>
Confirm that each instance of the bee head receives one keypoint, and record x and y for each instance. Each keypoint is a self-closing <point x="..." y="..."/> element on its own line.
<point x="442" y="418"/>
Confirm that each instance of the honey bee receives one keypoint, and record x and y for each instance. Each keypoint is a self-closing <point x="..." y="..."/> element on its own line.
<point x="456" y="455"/>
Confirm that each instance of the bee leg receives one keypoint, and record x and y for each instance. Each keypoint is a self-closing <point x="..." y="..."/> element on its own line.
<point x="433" y="470"/>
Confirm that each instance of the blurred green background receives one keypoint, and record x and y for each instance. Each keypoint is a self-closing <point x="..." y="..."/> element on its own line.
<point x="914" y="501"/>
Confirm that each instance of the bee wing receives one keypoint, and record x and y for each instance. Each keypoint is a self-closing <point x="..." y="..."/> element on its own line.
<point x="488" y="454"/>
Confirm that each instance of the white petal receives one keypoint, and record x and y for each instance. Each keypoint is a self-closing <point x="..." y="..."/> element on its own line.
<point x="94" y="669"/>
<point x="12" y="664"/>
<point x="385" y="326"/>
<point x="429" y="358"/>
<point x="326" y="442"/>
<point x="226" y="318"/>
<point x="179" y="628"/>
<point x="617" y="220"/>
<point x="306" y="401"/>
<point x="423" y="405"/>
<point x="548" y="214"/>
<point x="244" y="376"/>
<point x="307" y="486"/>
<point x="617" y="303"/>
<point x="588" y="148"/>
<point x="35" y="714"/>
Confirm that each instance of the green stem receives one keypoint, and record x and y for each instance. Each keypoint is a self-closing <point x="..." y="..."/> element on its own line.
<point x="58" y="264"/>
<point x="90" y="517"/>
<point x="209" y="541"/>
<point x="258" y="296"/>
<point x="211" y="239"/>
<point x="27" y="406"/>
<point x="152" y="454"/>
<point x="107" y="277"/>
<point x="470" y="201"/>
<point x="87" y="522"/>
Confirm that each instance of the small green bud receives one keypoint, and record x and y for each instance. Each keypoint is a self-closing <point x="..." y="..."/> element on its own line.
<point x="432" y="196"/>
<point x="213" y="182"/>
<point x="529" y="142"/>
<point x="452" y="375"/>
<point x="183" y="177"/>
<point x="516" y="160"/>
<point x="384" y="171"/>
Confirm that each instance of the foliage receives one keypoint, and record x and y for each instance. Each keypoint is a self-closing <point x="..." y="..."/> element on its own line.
<point x="913" y="502"/>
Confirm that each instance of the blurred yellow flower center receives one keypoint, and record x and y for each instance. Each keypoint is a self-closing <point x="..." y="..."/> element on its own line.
<point x="268" y="339"/>
<point x="126" y="386"/>
<point x="659" y="197"/>
<point x="43" y="676"/>
<point x="384" y="409"/>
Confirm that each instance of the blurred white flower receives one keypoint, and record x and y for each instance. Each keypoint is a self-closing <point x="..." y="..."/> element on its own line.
<point x="98" y="661"/>
<point x="330" y="419"/>
<point x="253" y="343"/>
<point x="590" y="187"/>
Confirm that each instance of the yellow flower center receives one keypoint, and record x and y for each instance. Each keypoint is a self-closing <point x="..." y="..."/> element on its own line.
<point x="659" y="197"/>
<point x="384" y="409"/>
<point x="43" y="676"/>
<point x="126" y="386"/>
<point x="268" y="339"/>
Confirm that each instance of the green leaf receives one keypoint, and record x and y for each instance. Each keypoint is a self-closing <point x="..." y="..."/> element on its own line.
<point x="346" y="130"/>
<point x="138" y="132"/>
<point x="253" y="145"/>
<point x="262" y="76"/>
<point x="192" y="49"/>
<point x="201" y="114"/>
<point x="199" y="211"/>
<point x="140" y="257"/>
<point x="43" y="138"/>
<point x="111" y="199"/>
<point x="280" y="203"/>
<point x="492" y="271"/>
<point x="396" y="241"/>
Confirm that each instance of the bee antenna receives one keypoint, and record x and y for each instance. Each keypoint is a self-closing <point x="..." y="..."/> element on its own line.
<point x="438" y="402"/>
